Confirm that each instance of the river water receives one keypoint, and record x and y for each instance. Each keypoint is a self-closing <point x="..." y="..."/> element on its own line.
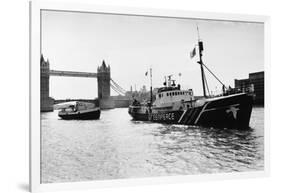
<point x="115" y="147"/>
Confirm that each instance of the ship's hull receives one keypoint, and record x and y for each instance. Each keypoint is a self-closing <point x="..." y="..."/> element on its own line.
<point x="81" y="115"/>
<point x="233" y="111"/>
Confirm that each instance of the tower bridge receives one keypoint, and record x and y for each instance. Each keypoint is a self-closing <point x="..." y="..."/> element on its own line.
<point x="104" y="81"/>
<point x="72" y="74"/>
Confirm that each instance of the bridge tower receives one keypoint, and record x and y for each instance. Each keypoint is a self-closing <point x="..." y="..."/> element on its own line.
<point x="46" y="102"/>
<point x="103" y="76"/>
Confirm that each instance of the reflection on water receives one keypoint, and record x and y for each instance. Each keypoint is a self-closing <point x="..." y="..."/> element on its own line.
<point x="116" y="147"/>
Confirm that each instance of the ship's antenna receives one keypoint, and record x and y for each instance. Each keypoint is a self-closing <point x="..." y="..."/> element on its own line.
<point x="198" y="31"/>
<point x="179" y="78"/>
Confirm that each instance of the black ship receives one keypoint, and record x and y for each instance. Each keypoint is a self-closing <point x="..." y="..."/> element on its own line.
<point x="175" y="106"/>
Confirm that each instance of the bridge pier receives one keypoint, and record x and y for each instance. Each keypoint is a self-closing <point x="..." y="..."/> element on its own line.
<point x="106" y="103"/>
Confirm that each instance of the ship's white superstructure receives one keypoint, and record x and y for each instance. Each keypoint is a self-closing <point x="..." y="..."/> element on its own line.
<point x="172" y="97"/>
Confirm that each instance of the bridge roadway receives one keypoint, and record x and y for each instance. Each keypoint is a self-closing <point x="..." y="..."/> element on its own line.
<point x="72" y="74"/>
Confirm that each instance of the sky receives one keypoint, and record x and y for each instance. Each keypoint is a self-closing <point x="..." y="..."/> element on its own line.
<point x="76" y="41"/>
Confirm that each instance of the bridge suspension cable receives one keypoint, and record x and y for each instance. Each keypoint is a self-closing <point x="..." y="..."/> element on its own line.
<point x="118" y="89"/>
<point x="118" y="86"/>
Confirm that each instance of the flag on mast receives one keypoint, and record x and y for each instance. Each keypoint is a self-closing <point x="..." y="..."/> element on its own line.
<point x="193" y="53"/>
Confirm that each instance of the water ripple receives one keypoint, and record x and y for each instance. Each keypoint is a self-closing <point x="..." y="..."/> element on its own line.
<point x="116" y="147"/>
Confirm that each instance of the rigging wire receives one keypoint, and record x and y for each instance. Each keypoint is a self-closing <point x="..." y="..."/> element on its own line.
<point x="213" y="75"/>
<point x="206" y="83"/>
<point x="205" y="79"/>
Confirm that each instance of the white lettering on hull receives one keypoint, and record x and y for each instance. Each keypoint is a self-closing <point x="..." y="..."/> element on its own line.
<point x="163" y="117"/>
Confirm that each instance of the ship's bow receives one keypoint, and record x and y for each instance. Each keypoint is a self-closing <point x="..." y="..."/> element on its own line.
<point x="233" y="111"/>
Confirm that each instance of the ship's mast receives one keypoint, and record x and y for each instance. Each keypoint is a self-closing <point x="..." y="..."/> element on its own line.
<point x="200" y="45"/>
<point x="202" y="65"/>
<point x="150" y="86"/>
